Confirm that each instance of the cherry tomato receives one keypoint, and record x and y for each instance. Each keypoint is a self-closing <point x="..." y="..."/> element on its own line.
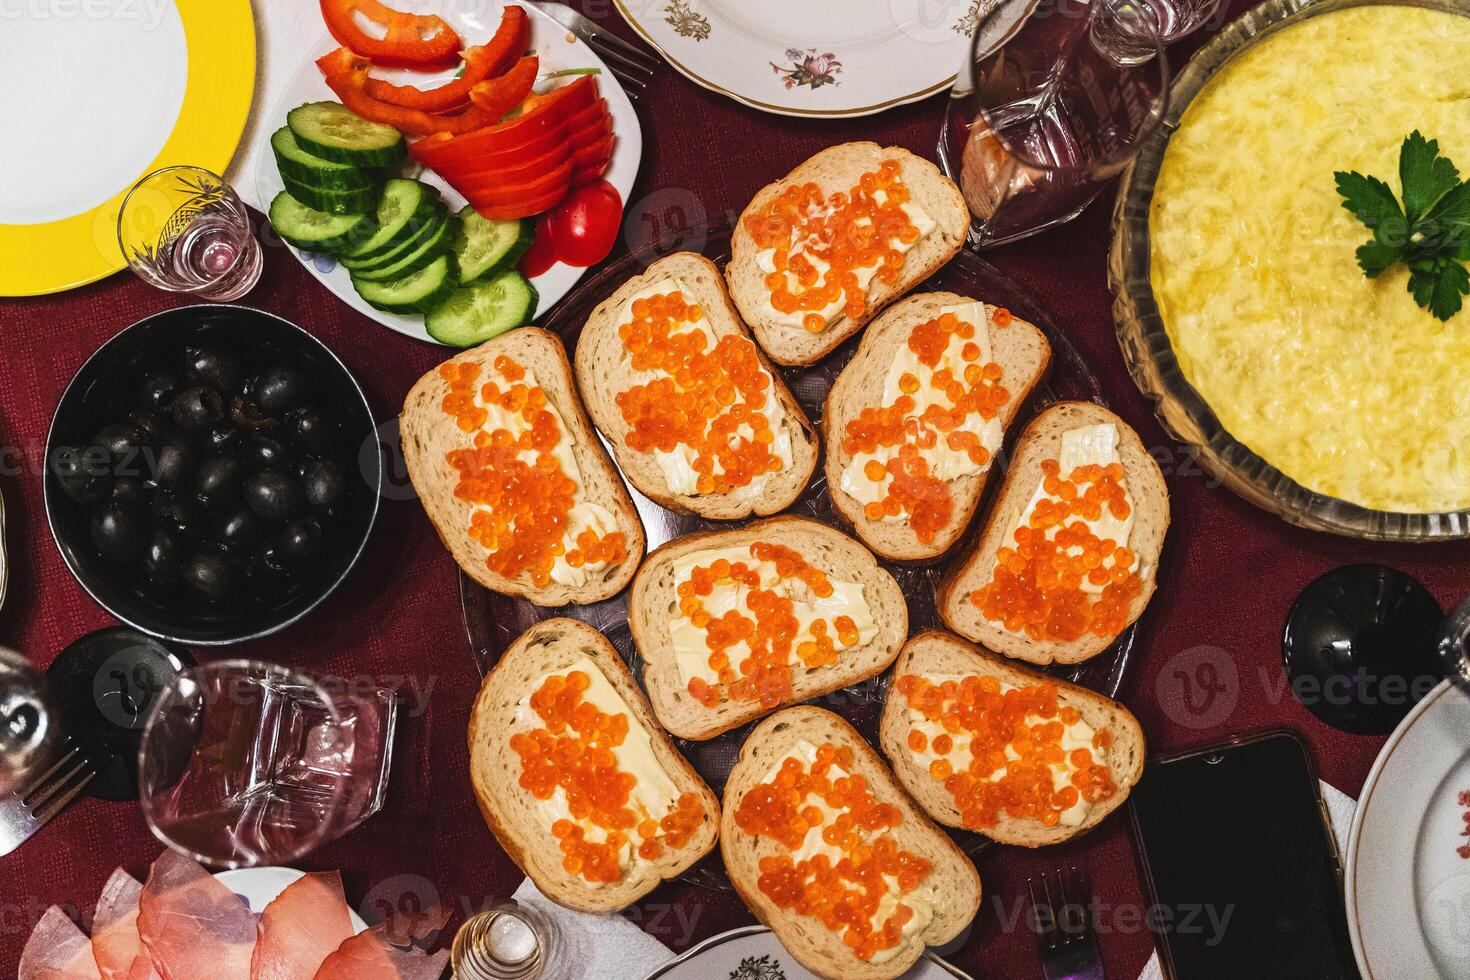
<point x="584" y="227"/>
<point x="541" y="256"/>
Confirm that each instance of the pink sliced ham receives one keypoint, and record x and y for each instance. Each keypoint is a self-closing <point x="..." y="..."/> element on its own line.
<point x="116" y="945"/>
<point x="193" y="926"/>
<point x="388" y="952"/>
<point x="57" y="950"/>
<point x="302" y="927"/>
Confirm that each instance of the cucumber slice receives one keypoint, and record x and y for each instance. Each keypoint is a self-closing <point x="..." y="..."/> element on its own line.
<point x="440" y="244"/>
<point x="418" y="293"/>
<point x="420" y="234"/>
<point x="317" y="231"/>
<point x="485" y="246"/>
<point x="475" y="312"/>
<point x="332" y="131"/>
<point x="407" y="206"/>
<point x="317" y="171"/>
<point x="360" y="201"/>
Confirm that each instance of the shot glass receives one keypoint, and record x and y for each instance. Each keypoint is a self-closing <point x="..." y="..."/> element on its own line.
<point x="183" y="229"/>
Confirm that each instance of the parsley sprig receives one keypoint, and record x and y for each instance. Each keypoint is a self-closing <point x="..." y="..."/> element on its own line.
<point x="1429" y="232"/>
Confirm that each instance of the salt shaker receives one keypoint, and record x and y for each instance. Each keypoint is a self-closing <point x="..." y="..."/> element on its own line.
<point x="512" y="941"/>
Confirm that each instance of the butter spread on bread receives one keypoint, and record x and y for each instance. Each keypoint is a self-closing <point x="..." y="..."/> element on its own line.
<point x="938" y="419"/>
<point x="750" y="615"/>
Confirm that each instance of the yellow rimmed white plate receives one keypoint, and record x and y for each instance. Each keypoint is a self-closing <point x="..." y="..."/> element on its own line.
<point x="96" y="94"/>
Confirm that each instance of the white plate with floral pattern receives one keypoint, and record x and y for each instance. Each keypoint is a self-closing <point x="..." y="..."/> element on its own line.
<point x="475" y="20"/>
<point x="811" y="57"/>
<point x="754" y="953"/>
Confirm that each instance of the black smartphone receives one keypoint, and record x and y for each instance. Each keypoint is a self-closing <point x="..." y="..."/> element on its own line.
<point x="1240" y="865"/>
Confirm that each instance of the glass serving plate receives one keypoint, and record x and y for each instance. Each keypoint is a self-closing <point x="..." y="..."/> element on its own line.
<point x="493" y="621"/>
<point x="1150" y="354"/>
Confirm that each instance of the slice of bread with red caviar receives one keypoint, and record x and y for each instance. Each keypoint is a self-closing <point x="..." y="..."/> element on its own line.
<point x="1041" y="440"/>
<point x="430" y="434"/>
<point x="933" y="652"/>
<point x="605" y="372"/>
<point x="519" y="820"/>
<point x="838" y="169"/>
<point x="944" y="900"/>
<point x="654" y="608"/>
<point x="1018" y="347"/>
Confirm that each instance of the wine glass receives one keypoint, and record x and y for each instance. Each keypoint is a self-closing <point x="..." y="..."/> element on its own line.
<point x="245" y="763"/>
<point x="1052" y="103"/>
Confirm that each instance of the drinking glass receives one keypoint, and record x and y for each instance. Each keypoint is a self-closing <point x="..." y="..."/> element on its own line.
<point x="1050" y="105"/>
<point x="245" y="763"/>
<point x="28" y="733"/>
<point x="183" y="229"/>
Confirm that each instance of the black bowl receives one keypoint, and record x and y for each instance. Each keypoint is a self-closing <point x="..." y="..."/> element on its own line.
<point x="106" y="389"/>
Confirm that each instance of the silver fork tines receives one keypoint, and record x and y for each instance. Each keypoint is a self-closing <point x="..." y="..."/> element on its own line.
<point x="30" y="808"/>
<point x="1063" y="926"/>
<point x="633" y="66"/>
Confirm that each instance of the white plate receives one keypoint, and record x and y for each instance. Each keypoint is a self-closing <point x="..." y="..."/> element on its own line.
<point x="754" y="953"/>
<point x="260" y="886"/>
<point x="475" y="20"/>
<point x="1407" y="888"/>
<point x="811" y="57"/>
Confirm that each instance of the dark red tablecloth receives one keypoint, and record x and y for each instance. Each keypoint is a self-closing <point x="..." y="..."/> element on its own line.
<point x="1228" y="575"/>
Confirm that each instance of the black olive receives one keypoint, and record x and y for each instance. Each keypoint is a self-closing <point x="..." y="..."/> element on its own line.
<point x="172" y="462"/>
<point x="280" y="388"/>
<point x="268" y="559"/>
<point x="218" y="479"/>
<point x="223" y="440"/>
<point x="163" y="558"/>
<point x="121" y="440"/>
<point x="84" y="475"/>
<point x="179" y="514"/>
<point x="311" y="431"/>
<point x="274" y="495"/>
<point x="300" y="542"/>
<point x="239" y="528"/>
<point x="262" y="451"/>
<point x="197" y="409"/>
<point x="217" y="369"/>
<point x="209" y="575"/>
<point x="246" y="414"/>
<point x="155" y="427"/>
<point x="323" y="481"/>
<point x="119" y="532"/>
<point x="130" y="492"/>
<point x="159" y="389"/>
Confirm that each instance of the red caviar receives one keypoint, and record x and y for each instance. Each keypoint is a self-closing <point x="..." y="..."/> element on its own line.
<point x="573" y="752"/>
<point x="1027" y="720"/>
<point x="522" y="498"/>
<point x="1036" y="587"/>
<point x="911" y="489"/>
<point x="847" y="231"/>
<point x="709" y="400"/>
<point x="768" y="626"/>
<point x="844" y="895"/>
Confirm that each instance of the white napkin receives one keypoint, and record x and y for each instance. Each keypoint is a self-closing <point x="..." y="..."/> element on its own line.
<point x="287" y="32"/>
<point x="600" y="945"/>
<point x="1340" y="809"/>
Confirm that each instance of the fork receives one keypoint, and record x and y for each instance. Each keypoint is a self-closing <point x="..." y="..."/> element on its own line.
<point x="633" y="66"/>
<point x="1063" y="927"/>
<point x="31" y="807"/>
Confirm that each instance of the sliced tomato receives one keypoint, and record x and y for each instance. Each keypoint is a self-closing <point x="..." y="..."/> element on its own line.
<point x="541" y="113"/>
<point x="584" y="225"/>
<point x="481" y="63"/>
<point x="493" y="190"/>
<point x="498" y="96"/>
<point x="408" y="40"/>
<point x="346" y="73"/>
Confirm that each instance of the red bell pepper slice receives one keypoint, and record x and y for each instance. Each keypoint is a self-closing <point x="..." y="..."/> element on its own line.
<point x="409" y="40"/>
<point x="539" y="146"/>
<point x="595" y="154"/>
<point x="347" y="75"/>
<point x="521" y="209"/>
<point x="515" y="166"/>
<point x="591" y="133"/>
<point x="481" y="63"/>
<point x="542" y="113"/>
<point x="498" y="96"/>
<point x="592" y="113"/>
<point x="495" y="191"/>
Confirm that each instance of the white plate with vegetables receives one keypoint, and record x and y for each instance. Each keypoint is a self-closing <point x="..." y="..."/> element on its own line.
<point x="393" y="237"/>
